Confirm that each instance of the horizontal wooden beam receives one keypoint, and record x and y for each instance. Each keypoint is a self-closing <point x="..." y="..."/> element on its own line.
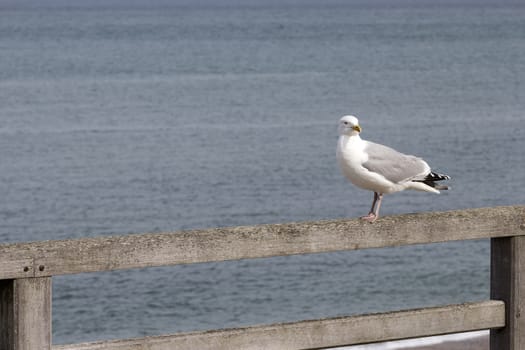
<point x="48" y="258"/>
<point x="324" y="333"/>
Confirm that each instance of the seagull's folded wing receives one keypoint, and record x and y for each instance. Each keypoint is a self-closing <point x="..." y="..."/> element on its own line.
<point x="393" y="165"/>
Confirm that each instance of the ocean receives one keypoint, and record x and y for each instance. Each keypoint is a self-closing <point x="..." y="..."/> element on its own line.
<point x="121" y="117"/>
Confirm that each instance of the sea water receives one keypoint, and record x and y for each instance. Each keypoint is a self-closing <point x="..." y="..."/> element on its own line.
<point x="121" y="117"/>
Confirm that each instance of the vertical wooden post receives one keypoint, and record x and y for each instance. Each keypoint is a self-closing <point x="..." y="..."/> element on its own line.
<point x="6" y="314"/>
<point x="507" y="283"/>
<point x="25" y="314"/>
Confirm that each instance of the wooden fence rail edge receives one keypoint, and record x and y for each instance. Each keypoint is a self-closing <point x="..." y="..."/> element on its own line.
<point x="324" y="333"/>
<point x="26" y="271"/>
<point x="51" y="258"/>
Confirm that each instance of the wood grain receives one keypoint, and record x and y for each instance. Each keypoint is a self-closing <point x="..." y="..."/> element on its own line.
<point x="324" y="333"/>
<point x="25" y="314"/>
<point x="49" y="258"/>
<point x="507" y="274"/>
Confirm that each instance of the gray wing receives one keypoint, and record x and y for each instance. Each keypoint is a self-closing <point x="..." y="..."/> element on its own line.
<point x="393" y="165"/>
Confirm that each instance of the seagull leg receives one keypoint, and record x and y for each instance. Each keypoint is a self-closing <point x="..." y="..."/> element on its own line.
<point x="374" y="211"/>
<point x="371" y="215"/>
<point x="378" y="205"/>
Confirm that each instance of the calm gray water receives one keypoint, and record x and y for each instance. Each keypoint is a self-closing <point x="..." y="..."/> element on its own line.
<point x="121" y="117"/>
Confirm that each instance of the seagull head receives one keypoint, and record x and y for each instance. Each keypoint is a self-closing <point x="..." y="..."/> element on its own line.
<point x="349" y="125"/>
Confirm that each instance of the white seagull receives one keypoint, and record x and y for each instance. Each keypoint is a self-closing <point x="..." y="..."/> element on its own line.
<point x="379" y="168"/>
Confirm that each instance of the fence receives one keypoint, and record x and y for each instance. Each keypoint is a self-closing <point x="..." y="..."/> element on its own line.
<point x="26" y="270"/>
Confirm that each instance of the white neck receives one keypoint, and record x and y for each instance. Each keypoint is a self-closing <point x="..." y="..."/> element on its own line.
<point x="353" y="134"/>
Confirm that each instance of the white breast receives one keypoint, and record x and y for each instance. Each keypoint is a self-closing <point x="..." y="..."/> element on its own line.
<point x="351" y="156"/>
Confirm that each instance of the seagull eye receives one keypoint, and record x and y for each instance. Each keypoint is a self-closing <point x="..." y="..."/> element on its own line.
<point x="345" y="123"/>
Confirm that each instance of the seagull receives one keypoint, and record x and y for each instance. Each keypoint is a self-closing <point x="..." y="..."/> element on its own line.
<point x="379" y="168"/>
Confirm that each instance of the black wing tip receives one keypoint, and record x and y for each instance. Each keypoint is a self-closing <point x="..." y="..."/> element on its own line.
<point x="432" y="176"/>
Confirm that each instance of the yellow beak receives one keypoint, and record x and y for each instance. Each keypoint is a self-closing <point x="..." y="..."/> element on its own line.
<point x="357" y="128"/>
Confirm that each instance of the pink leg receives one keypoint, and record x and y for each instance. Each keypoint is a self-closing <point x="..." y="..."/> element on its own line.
<point x="371" y="214"/>
<point x="374" y="211"/>
<point x="378" y="205"/>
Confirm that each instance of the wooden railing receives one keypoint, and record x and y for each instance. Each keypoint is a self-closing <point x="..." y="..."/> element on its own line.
<point x="26" y="270"/>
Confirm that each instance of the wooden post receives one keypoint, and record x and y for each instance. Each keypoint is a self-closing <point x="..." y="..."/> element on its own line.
<point x="25" y="314"/>
<point x="507" y="283"/>
<point x="6" y="314"/>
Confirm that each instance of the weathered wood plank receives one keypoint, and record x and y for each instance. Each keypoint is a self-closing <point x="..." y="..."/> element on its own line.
<point x="324" y="333"/>
<point x="7" y="310"/>
<point x="25" y="314"/>
<point x="20" y="264"/>
<point x="136" y="251"/>
<point x="508" y="284"/>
